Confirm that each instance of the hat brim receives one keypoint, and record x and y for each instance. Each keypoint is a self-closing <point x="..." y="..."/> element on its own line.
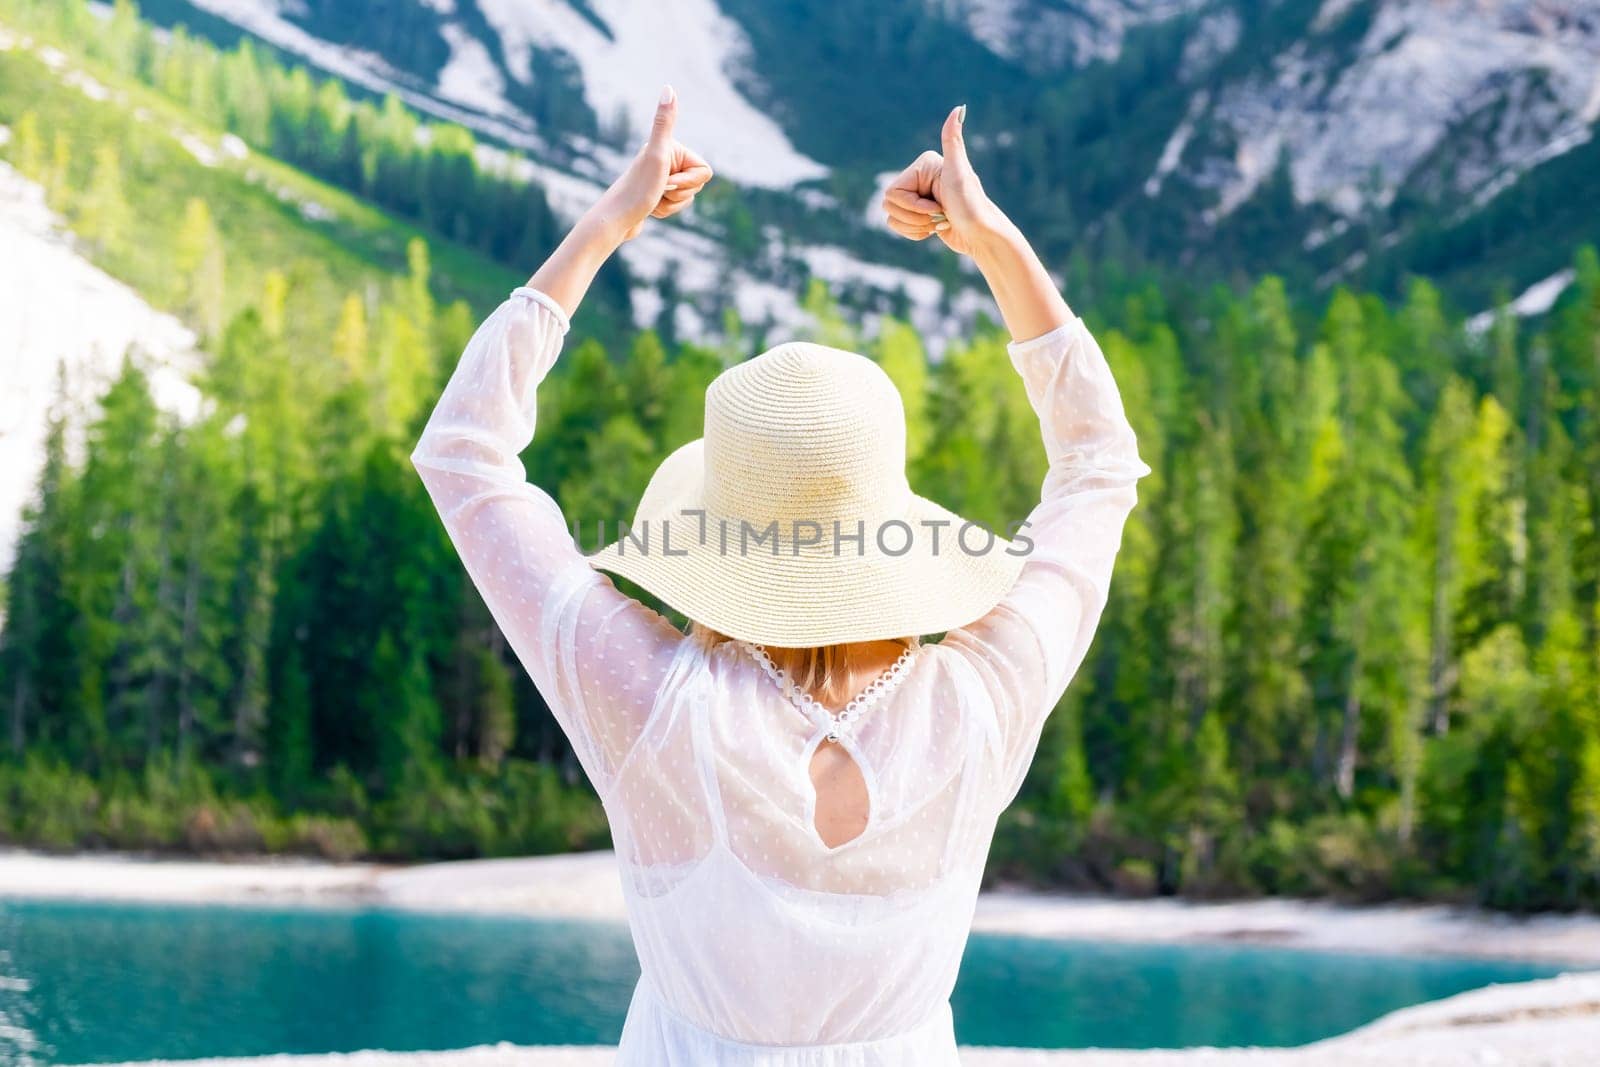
<point x="817" y="595"/>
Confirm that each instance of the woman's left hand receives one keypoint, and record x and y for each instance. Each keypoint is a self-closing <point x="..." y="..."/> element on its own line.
<point x="661" y="181"/>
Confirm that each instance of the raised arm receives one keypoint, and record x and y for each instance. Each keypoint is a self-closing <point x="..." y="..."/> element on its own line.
<point x="595" y="654"/>
<point x="1028" y="647"/>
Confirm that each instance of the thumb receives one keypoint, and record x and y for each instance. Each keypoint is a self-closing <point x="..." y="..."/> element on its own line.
<point x="955" y="144"/>
<point x="666" y="118"/>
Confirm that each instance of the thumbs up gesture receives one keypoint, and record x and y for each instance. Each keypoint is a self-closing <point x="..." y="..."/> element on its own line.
<point x="940" y="195"/>
<point x="661" y="181"/>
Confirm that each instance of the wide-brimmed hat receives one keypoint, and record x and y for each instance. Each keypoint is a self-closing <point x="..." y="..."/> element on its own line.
<point x="792" y="522"/>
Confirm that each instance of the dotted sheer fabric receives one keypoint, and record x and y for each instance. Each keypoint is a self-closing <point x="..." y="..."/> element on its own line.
<point x="758" y="942"/>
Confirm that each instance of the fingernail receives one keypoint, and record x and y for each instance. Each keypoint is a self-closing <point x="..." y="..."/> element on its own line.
<point x="961" y="115"/>
<point x="941" y="226"/>
<point x="666" y="95"/>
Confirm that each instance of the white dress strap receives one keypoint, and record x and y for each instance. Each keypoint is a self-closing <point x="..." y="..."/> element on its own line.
<point x="705" y="755"/>
<point x="976" y="722"/>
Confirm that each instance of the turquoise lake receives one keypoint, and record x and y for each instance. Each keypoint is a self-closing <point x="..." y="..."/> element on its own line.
<point x="87" y="983"/>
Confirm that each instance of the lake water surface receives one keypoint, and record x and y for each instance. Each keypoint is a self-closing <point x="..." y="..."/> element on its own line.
<point x="87" y="983"/>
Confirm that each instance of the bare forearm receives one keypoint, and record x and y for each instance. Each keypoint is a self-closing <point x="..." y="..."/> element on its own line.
<point x="571" y="268"/>
<point x="1029" y="302"/>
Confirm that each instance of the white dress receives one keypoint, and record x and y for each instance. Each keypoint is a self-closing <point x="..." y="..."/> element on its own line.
<point x="758" y="943"/>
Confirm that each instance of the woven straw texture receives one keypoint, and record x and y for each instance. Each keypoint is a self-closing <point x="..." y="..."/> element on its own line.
<point x="791" y="522"/>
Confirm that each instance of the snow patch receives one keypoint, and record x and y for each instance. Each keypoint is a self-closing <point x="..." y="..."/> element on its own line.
<point x="1330" y="13"/>
<point x="688" y="322"/>
<point x="766" y="302"/>
<point x="1216" y="36"/>
<point x="1541" y="296"/>
<point x="938" y="318"/>
<point x="471" y="78"/>
<point x="647" y="304"/>
<point x="1536" y="299"/>
<point x="817" y="199"/>
<point x="61" y="311"/>
<point x="309" y="209"/>
<point x="1319" y="237"/>
<point x="199" y="149"/>
<point x="1172" y="152"/>
<point x="686" y="43"/>
<point x="840" y="267"/>
<point x="86" y="85"/>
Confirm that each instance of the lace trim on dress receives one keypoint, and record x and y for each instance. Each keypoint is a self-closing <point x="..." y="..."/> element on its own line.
<point x="838" y="722"/>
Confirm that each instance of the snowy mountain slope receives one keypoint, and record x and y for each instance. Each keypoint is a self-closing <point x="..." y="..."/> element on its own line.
<point x="475" y="95"/>
<point x="63" y="313"/>
<point x="636" y="48"/>
<point x="624" y="51"/>
<point x="1162" y="122"/>
<point x="497" y="50"/>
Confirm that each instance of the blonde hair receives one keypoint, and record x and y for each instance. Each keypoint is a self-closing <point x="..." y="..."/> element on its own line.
<point x="824" y="671"/>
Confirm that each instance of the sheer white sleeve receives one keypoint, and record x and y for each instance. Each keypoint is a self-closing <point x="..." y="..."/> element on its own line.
<point x="595" y="654"/>
<point x="1029" y="646"/>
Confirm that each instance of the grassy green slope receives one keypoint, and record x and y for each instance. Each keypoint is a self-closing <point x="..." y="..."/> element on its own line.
<point x="258" y="202"/>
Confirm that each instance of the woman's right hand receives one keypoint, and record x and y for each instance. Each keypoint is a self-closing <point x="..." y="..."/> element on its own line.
<point x="940" y="195"/>
<point x="661" y="180"/>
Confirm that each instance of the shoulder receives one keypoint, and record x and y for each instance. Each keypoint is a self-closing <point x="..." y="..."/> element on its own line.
<point x="966" y="678"/>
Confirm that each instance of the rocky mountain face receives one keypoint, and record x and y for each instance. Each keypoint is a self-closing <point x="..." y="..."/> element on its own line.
<point x="1329" y="140"/>
<point x="1447" y="96"/>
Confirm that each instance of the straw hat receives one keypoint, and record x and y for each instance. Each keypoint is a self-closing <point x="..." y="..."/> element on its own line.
<point x="792" y="523"/>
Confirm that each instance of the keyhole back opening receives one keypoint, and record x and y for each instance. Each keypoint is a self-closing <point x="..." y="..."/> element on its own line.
<point x="842" y="804"/>
<point x="840" y="800"/>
